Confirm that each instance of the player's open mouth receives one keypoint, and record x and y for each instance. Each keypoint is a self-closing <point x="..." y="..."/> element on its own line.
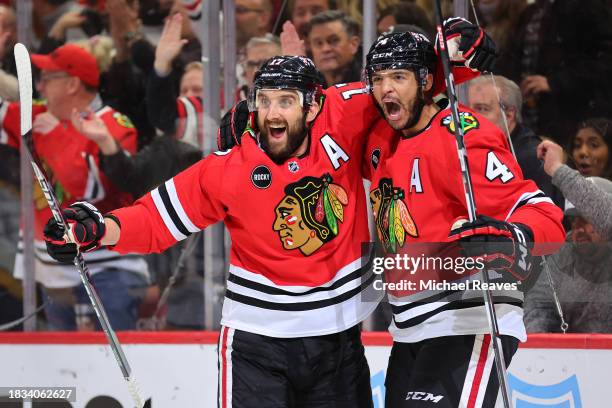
<point x="277" y="131"/>
<point x="393" y="110"/>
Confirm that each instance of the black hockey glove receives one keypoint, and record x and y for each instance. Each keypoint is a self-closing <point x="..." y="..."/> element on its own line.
<point x="502" y="245"/>
<point x="87" y="226"/>
<point x="469" y="43"/>
<point x="232" y="125"/>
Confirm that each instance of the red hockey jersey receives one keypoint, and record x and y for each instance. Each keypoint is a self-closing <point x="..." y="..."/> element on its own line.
<point x="417" y="194"/>
<point x="71" y="163"/>
<point x="296" y="228"/>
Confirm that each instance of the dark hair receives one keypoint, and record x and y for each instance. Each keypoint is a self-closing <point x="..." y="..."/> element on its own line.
<point x="351" y="26"/>
<point x="410" y="13"/>
<point x="603" y="127"/>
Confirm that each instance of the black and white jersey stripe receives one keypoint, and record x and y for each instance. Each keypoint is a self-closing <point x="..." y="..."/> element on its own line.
<point x="534" y="197"/>
<point x="255" y="303"/>
<point x="172" y="212"/>
<point x="452" y="312"/>
<point x="253" y="289"/>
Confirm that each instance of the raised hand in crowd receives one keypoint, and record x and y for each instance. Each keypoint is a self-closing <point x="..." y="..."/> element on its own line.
<point x="169" y="45"/>
<point x="93" y="128"/>
<point x="124" y="25"/>
<point x="68" y="20"/>
<point x="534" y="85"/>
<point x="291" y="44"/>
<point x="186" y="27"/>
<point x="552" y="155"/>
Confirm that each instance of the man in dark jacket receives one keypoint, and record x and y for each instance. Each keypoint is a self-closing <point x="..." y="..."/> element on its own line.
<point x="504" y="105"/>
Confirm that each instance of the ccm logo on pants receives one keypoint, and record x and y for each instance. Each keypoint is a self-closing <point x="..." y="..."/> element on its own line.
<point x="423" y="396"/>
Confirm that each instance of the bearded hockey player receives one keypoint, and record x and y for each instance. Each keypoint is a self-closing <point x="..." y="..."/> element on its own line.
<point x="292" y="198"/>
<point x="442" y="354"/>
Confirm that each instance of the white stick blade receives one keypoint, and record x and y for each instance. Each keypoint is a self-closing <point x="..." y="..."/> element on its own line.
<point x="24" y="76"/>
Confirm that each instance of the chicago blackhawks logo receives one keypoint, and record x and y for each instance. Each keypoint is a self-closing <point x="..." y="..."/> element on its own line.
<point x="468" y="122"/>
<point x="40" y="202"/>
<point x="393" y="220"/>
<point x="123" y="120"/>
<point x="309" y="214"/>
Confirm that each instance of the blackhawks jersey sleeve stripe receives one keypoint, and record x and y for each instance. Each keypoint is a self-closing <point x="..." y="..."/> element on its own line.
<point x="176" y="204"/>
<point x="172" y="212"/>
<point x="534" y="197"/>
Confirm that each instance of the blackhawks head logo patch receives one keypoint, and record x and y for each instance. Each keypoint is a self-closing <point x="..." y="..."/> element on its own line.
<point x="123" y="120"/>
<point x="309" y="214"/>
<point x="393" y="220"/>
<point x="468" y="122"/>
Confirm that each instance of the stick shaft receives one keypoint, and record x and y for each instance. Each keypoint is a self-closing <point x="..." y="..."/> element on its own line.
<point x="471" y="205"/>
<point x="25" y="93"/>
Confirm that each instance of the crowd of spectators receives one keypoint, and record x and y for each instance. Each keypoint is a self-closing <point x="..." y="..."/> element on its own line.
<point x="552" y="88"/>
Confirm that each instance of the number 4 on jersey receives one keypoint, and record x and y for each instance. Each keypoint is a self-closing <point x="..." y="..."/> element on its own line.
<point x="495" y="169"/>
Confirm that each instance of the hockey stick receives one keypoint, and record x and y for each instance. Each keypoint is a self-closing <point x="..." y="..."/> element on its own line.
<point x="471" y="206"/>
<point x="24" y="75"/>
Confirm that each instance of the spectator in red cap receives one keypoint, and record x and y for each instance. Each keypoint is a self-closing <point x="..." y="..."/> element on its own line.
<point x="69" y="82"/>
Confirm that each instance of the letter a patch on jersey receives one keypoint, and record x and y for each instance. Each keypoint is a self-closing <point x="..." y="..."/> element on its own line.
<point x="334" y="151"/>
<point x="468" y="122"/>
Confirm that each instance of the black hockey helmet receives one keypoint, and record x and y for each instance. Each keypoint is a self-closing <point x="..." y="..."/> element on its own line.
<point x="401" y="50"/>
<point x="288" y="72"/>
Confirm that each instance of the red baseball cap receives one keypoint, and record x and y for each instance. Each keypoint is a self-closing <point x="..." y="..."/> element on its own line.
<point x="73" y="60"/>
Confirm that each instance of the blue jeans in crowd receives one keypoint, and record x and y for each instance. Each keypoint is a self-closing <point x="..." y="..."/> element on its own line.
<point x="120" y="292"/>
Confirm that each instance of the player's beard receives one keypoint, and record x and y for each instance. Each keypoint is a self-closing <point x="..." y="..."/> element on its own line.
<point x="295" y="137"/>
<point x="413" y="109"/>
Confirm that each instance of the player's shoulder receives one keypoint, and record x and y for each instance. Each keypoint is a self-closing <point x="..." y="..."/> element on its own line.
<point x="346" y="97"/>
<point x="476" y="128"/>
<point x="234" y="156"/>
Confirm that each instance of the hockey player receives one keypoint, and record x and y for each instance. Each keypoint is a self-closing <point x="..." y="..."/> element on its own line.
<point x="292" y="198"/>
<point x="442" y="354"/>
<point x="69" y="83"/>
